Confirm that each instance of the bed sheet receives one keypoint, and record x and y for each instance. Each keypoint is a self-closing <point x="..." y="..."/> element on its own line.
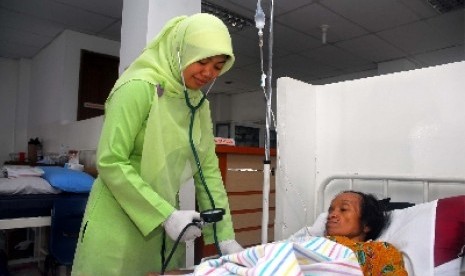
<point x="309" y="256"/>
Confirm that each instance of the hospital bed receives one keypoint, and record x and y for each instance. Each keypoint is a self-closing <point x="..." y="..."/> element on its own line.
<point x="412" y="229"/>
<point x="397" y="135"/>
<point x="27" y="201"/>
<point x="415" y="223"/>
<point x="33" y="210"/>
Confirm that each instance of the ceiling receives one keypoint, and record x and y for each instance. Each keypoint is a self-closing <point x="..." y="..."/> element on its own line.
<point x="361" y="35"/>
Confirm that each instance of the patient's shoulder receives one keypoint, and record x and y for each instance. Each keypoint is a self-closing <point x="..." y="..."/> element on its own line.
<point x="375" y="257"/>
<point x="371" y="245"/>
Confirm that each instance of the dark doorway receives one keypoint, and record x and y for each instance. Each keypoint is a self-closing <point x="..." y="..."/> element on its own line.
<point x="97" y="75"/>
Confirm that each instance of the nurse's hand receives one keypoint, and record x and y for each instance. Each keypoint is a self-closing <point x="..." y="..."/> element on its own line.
<point x="178" y="220"/>
<point x="230" y="247"/>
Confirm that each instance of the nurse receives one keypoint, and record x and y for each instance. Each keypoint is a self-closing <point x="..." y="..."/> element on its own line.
<point x="157" y="132"/>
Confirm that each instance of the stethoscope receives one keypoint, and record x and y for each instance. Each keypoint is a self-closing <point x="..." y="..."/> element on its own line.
<point x="212" y="215"/>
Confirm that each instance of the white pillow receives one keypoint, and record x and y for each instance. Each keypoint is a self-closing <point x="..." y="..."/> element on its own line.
<point x="319" y="226"/>
<point x="26" y="185"/>
<point x="12" y="171"/>
<point x="317" y="229"/>
<point x="412" y="231"/>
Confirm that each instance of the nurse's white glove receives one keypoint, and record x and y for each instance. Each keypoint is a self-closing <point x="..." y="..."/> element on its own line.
<point x="176" y="223"/>
<point x="230" y="247"/>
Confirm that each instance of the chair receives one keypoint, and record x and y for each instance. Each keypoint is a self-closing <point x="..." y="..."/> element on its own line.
<point x="66" y="221"/>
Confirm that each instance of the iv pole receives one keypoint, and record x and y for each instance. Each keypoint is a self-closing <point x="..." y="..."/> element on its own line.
<point x="267" y="161"/>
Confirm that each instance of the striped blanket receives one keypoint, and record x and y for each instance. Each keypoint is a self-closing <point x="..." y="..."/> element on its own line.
<point x="312" y="256"/>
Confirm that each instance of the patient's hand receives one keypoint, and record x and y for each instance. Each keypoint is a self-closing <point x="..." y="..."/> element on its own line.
<point x="209" y="258"/>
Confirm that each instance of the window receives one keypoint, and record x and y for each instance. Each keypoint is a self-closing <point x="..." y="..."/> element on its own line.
<point x="247" y="136"/>
<point x="222" y="130"/>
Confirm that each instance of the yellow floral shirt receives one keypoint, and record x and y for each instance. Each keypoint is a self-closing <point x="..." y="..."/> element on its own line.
<point x="376" y="258"/>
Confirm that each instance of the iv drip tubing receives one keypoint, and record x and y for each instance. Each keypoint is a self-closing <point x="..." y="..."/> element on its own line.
<point x="267" y="162"/>
<point x="269" y="84"/>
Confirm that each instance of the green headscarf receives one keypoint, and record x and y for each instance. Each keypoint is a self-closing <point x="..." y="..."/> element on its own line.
<point x="195" y="37"/>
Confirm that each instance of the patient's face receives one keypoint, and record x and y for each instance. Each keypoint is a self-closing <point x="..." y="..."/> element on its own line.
<point x="344" y="217"/>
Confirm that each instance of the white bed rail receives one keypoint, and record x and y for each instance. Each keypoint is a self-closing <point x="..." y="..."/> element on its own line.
<point x="386" y="181"/>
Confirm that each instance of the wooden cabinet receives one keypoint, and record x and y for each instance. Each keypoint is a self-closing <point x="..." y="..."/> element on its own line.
<point x="242" y="172"/>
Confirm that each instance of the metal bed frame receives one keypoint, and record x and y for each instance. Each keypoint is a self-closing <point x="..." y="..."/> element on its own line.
<point x="386" y="181"/>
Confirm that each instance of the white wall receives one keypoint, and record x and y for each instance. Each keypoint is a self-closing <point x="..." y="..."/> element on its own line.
<point x="54" y="87"/>
<point x="8" y="92"/>
<point x="39" y="96"/>
<point x="22" y="105"/>
<point x="408" y="123"/>
<point x="248" y="107"/>
<point x="220" y="107"/>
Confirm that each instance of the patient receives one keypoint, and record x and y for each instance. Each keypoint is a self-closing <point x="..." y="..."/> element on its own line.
<point x="355" y="220"/>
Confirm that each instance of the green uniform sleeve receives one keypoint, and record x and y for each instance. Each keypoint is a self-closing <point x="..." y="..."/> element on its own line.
<point x="212" y="175"/>
<point x="119" y="155"/>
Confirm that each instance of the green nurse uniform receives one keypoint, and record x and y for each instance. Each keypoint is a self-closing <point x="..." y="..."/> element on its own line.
<point x="144" y="155"/>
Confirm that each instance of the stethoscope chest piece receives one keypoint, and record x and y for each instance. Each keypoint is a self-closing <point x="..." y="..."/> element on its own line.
<point x="212" y="215"/>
